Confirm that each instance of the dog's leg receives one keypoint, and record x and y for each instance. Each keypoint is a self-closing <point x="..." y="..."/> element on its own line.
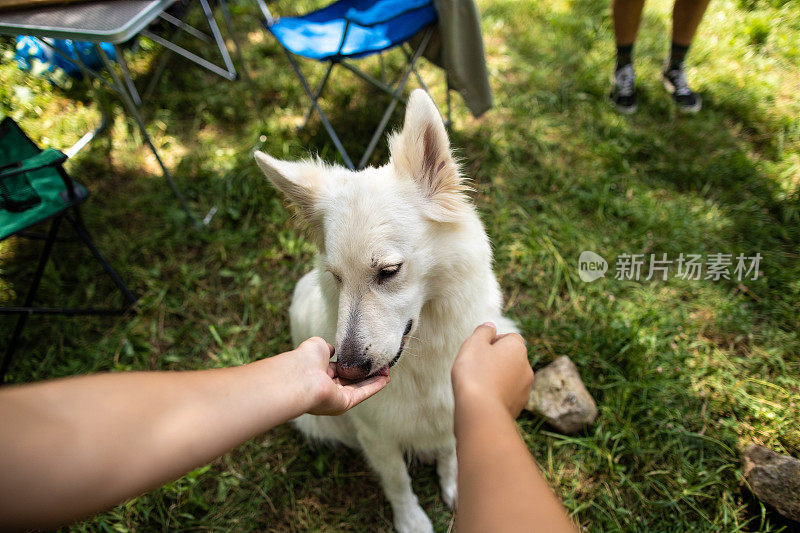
<point x="426" y="458"/>
<point x="388" y="462"/>
<point x="446" y="467"/>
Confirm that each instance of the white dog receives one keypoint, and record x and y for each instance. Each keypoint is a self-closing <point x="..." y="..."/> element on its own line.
<point x="402" y="276"/>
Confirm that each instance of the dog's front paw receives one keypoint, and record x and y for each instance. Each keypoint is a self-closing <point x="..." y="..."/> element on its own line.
<point x="447" y="468"/>
<point x="449" y="493"/>
<point x="412" y="519"/>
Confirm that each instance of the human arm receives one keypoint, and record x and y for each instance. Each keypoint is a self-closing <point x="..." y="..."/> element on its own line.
<point x="500" y="487"/>
<point x="75" y="446"/>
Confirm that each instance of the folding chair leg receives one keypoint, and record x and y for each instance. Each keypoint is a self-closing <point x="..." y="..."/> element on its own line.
<point x="381" y="126"/>
<point x="421" y="81"/>
<point x="265" y="12"/>
<point x="317" y="94"/>
<point x="37" y="278"/>
<point x="416" y="72"/>
<point x="395" y="98"/>
<point x="447" y="98"/>
<point x="80" y="229"/>
<point x="325" y="123"/>
<point x="388" y="89"/>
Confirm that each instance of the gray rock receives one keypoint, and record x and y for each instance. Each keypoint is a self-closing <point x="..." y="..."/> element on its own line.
<point x="560" y="396"/>
<point x="774" y="479"/>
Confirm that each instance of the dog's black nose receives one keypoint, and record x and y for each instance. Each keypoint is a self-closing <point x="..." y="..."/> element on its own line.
<point x="351" y="361"/>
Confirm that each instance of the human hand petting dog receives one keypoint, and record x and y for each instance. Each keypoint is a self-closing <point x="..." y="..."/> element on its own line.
<point x="492" y="367"/>
<point x="330" y="393"/>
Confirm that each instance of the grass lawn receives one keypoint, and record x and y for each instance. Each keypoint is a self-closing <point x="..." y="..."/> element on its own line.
<point x="684" y="372"/>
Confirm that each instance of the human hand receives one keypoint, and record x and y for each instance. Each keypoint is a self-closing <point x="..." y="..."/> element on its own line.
<point x="330" y="393"/>
<point x="493" y="367"/>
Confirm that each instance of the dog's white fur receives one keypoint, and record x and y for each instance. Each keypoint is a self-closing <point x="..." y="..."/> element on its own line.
<point x="412" y="211"/>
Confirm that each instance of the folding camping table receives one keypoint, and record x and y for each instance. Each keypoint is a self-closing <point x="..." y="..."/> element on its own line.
<point x="115" y="22"/>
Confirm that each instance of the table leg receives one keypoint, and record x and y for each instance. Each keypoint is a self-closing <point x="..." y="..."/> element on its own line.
<point x="133" y="111"/>
<point x="226" y="15"/>
<point x="126" y="75"/>
<point x="117" y="86"/>
<point x="229" y="72"/>
<point x="164" y="56"/>
<point x="223" y="5"/>
<point x="223" y="49"/>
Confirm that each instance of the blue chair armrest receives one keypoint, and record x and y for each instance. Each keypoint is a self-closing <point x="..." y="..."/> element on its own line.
<point x="383" y="11"/>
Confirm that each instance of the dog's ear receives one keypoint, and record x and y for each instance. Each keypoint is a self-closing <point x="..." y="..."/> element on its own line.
<point x="422" y="151"/>
<point x="302" y="182"/>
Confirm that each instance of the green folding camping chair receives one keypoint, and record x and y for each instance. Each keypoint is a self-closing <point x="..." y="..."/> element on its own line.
<point x="34" y="188"/>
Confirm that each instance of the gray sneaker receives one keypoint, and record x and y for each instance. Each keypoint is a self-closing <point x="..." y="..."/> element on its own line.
<point x="686" y="99"/>
<point x="623" y="93"/>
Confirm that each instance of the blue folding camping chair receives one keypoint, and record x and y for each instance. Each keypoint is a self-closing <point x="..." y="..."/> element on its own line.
<point x="353" y="29"/>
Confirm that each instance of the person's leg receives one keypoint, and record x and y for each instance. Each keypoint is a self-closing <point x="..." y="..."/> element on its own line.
<point x="627" y="15"/>
<point x="686" y="17"/>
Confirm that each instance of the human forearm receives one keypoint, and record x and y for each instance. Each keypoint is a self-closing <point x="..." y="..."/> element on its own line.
<point x="59" y="465"/>
<point x="500" y="487"/>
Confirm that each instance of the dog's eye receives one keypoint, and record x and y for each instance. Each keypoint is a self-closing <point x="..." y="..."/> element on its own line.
<point x="336" y="277"/>
<point x="387" y="272"/>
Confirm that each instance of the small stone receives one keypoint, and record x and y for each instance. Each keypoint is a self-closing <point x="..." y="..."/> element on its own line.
<point x="560" y="396"/>
<point x="774" y="479"/>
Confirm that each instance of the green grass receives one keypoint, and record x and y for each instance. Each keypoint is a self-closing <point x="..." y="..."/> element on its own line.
<point x="684" y="372"/>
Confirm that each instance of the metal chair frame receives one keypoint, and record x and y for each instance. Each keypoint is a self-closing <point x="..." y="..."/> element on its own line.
<point x="28" y="309"/>
<point x="395" y="89"/>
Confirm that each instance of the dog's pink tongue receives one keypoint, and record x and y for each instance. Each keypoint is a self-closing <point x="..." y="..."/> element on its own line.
<point x="352" y="373"/>
<point x="355" y="374"/>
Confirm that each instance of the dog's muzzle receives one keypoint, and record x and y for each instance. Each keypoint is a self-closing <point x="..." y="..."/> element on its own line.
<point x="353" y="364"/>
